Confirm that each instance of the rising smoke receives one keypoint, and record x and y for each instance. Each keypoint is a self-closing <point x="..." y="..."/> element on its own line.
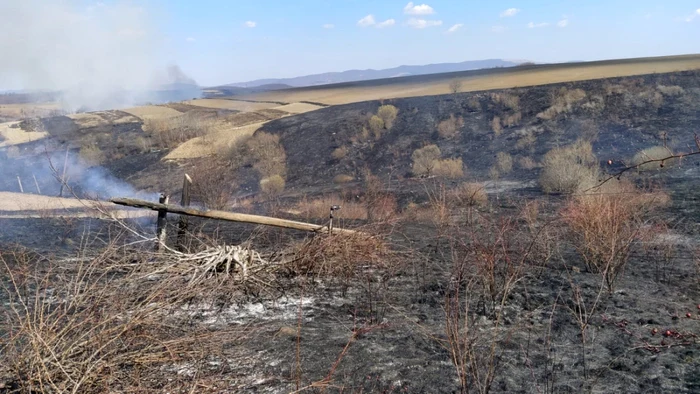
<point x="102" y="56"/>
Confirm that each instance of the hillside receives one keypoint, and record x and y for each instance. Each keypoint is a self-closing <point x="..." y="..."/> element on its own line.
<point x="369" y="74"/>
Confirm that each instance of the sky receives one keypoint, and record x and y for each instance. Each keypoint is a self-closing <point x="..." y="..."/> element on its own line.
<point x="226" y="41"/>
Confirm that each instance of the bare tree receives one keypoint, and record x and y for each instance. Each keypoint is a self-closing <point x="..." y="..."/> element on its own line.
<point x="455" y="86"/>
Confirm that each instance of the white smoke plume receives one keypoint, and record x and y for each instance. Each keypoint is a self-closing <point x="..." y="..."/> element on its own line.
<point x="100" y="56"/>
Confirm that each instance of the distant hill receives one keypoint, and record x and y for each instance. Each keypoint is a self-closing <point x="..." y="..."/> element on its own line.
<point x="231" y="90"/>
<point x="363" y="75"/>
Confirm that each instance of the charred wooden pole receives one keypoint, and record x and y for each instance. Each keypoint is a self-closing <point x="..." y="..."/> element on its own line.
<point x="185" y="202"/>
<point x="162" y="221"/>
<point x="228" y="216"/>
<point x="63" y="175"/>
<point x="330" y="222"/>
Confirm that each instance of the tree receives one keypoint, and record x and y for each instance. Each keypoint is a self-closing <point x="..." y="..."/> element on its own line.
<point x="455" y="86"/>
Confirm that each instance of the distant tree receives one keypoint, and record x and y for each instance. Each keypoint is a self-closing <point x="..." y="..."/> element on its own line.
<point x="455" y="86"/>
<point x="388" y="114"/>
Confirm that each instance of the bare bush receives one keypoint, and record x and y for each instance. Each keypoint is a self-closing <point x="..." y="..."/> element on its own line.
<point x="272" y="186"/>
<point x="171" y="132"/>
<point x="527" y="163"/>
<point x="92" y="154"/>
<point x="376" y="125"/>
<point x="449" y="128"/>
<point x="469" y="194"/>
<point x="425" y="159"/>
<point x="267" y="154"/>
<point x="562" y="101"/>
<point x="455" y="86"/>
<point x="569" y="168"/>
<point x="507" y="100"/>
<point x="213" y="185"/>
<point x="671" y="91"/>
<point x="512" y="119"/>
<point x="496" y="126"/>
<point x="605" y="224"/>
<point x="340" y="152"/>
<point x="388" y="114"/>
<point x="504" y="162"/>
<point x="653" y="153"/>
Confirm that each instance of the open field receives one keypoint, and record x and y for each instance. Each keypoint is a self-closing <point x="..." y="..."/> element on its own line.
<point x="233" y="104"/>
<point x="153" y="112"/>
<point x="11" y="134"/>
<point x="479" y="80"/>
<point x="28" y="110"/>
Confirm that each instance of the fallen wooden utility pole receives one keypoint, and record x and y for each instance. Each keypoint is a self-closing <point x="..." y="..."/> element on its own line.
<point x="227" y="216"/>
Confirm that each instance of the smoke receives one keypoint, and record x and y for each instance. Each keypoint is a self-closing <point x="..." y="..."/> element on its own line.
<point x="102" y="56"/>
<point x="60" y="172"/>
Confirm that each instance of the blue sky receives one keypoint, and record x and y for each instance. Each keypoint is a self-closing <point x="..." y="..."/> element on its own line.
<point x="224" y="41"/>
<point x="212" y="41"/>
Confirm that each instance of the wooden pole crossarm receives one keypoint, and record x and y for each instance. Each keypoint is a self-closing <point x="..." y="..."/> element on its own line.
<point x="227" y="216"/>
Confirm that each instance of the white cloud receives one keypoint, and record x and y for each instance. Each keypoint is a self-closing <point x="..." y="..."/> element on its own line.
<point x="510" y="12"/>
<point x="696" y="14"/>
<point x="454" y="28"/>
<point x="498" y="29"/>
<point x="328" y="26"/>
<point x="422" y="23"/>
<point x="533" y="25"/>
<point x="366" y="21"/>
<point x="563" y="23"/>
<point x="386" y="23"/>
<point x="250" y="24"/>
<point x="422" y="9"/>
<point x="190" y="39"/>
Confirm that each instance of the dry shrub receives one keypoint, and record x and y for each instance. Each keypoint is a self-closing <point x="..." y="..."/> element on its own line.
<point x="171" y="132"/>
<point x="671" y="91"/>
<point x="567" y="169"/>
<point x="527" y="141"/>
<point x="513" y="119"/>
<point x="343" y="178"/>
<point x="100" y="325"/>
<point x="474" y="105"/>
<point x="455" y="86"/>
<point x="653" y="153"/>
<point x="92" y="154"/>
<point x="267" y="154"/>
<point x="504" y="162"/>
<point x="376" y="125"/>
<point x="507" y="100"/>
<point x="388" y="115"/>
<point x="606" y="223"/>
<point x="562" y="102"/>
<point x="340" y="152"/>
<point x="319" y="208"/>
<point x="213" y="185"/>
<point x="469" y="194"/>
<point x="341" y="256"/>
<point x="449" y="168"/>
<point x="527" y="163"/>
<point x="272" y="186"/>
<point x="381" y="205"/>
<point x="496" y="125"/>
<point x="450" y="128"/>
<point x="425" y="159"/>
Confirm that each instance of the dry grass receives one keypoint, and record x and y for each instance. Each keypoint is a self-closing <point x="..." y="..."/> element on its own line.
<point x="92" y="154"/>
<point x="100" y="325"/>
<point x="243" y="106"/>
<point x="504" y="162"/>
<point x="153" y="112"/>
<point x="339" y="153"/>
<point x="298" y="108"/>
<point x="527" y="163"/>
<point x="388" y="115"/>
<point x="213" y="184"/>
<point x="11" y="134"/>
<point x="425" y="159"/>
<point x="496" y="125"/>
<point x="225" y="139"/>
<point x="671" y="91"/>
<point x="319" y="208"/>
<point x="562" y="102"/>
<point x="267" y="154"/>
<point x="498" y="79"/>
<point x="343" y="178"/>
<point x="376" y="125"/>
<point x="449" y="168"/>
<point x="30" y="110"/>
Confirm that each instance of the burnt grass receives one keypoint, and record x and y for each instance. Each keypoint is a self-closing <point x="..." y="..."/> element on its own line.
<point x="384" y="329"/>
